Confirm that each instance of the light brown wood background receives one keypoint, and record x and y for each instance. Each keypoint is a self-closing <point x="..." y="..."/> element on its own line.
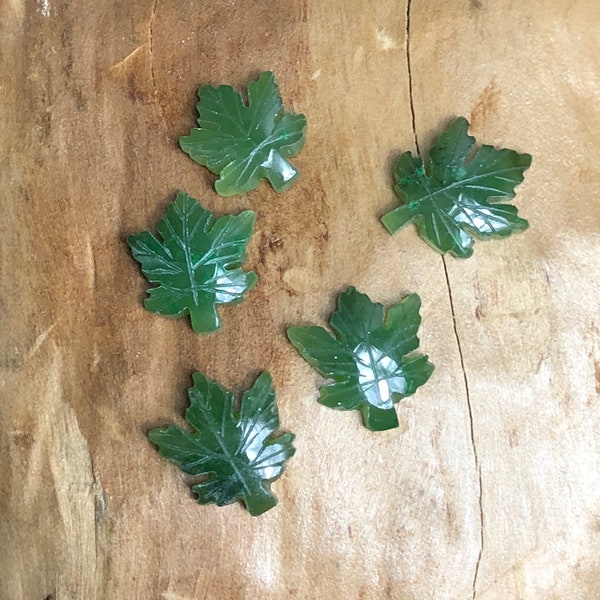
<point x="491" y="486"/>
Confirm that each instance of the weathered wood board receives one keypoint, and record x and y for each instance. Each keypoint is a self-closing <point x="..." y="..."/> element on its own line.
<point x="491" y="486"/>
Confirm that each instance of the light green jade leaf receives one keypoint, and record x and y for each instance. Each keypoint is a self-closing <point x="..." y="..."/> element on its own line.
<point x="197" y="262"/>
<point x="370" y="361"/>
<point x="234" y="453"/>
<point x="245" y="142"/>
<point x="454" y="193"/>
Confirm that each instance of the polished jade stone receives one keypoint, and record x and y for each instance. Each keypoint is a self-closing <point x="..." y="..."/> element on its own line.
<point x="243" y="143"/>
<point x="235" y="453"/>
<point x="454" y="194"/>
<point x="195" y="262"/>
<point x="369" y="360"/>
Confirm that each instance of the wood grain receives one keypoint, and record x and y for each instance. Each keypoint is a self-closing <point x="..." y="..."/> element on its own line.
<point x="490" y="488"/>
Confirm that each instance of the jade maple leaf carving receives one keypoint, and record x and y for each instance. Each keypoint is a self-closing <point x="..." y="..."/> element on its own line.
<point x="454" y="193"/>
<point x="234" y="453"/>
<point x="370" y="359"/>
<point x="244" y="143"/>
<point x="197" y="262"/>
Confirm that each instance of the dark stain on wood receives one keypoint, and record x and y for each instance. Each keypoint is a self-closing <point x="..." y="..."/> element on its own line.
<point x="486" y="105"/>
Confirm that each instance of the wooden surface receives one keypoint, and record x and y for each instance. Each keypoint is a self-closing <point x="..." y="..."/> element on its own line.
<point x="490" y="488"/>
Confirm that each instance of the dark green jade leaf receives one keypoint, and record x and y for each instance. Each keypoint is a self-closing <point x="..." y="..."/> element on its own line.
<point x="196" y="264"/>
<point x="244" y="143"/>
<point x="234" y="453"/>
<point x="454" y="193"/>
<point x="370" y="360"/>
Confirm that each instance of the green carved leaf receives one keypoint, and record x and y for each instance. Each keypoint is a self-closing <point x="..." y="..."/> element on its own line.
<point x="196" y="264"/>
<point x="370" y="359"/>
<point x="244" y="143"/>
<point x="234" y="453"/>
<point x="455" y="192"/>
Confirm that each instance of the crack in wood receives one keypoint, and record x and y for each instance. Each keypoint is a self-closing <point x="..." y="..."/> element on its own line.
<point x="410" y="84"/>
<point x="151" y="44"/>
<point x="471" y="428"/>
<point x="451" y="300"/>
